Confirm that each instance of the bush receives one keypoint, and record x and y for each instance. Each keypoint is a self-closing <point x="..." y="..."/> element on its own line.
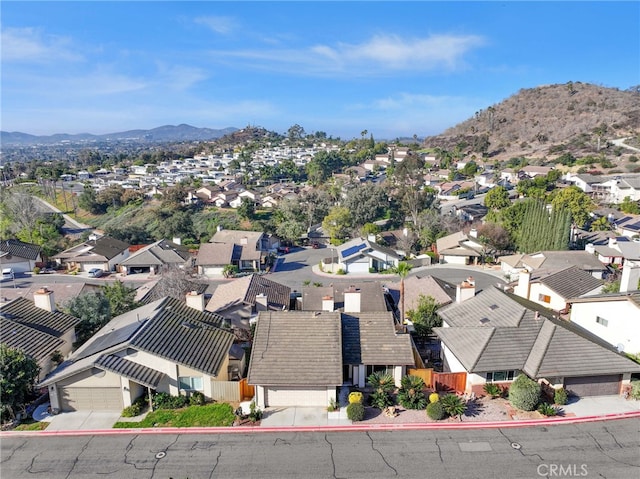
<point x="355" y="411"/>
<point x="411" y="395"/>
<point x="197" y="399"/>
<point x="435" y="411"/>
<point x="635" y="389"/>
<point x="136" y="408"/>
<point x="560" y="396"/>
<point x="434" y="397"/>
<point x="493" y="390"/>
<point x="453" y="405"/>
<point x="255" y="414"/>
<point x="524" y="393"/>
<point x="333" y="405"/>
<point x="166" y="401"/>
<point x="355" y="397"/>
<point x="547" y="409"/>
<point x="36" y="270"/>
<point x="341" y="272"/>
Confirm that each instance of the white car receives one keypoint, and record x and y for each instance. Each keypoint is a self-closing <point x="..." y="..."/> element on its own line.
<point x="95" y="272"/>
<point x="7" y="273"/>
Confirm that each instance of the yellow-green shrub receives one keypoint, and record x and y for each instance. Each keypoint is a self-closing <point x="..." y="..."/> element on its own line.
<point x="355" y="397"/>
<point x="434" y="397"/>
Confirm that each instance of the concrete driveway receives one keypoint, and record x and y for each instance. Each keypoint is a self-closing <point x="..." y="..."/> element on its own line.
<point x="76" y="420"/>
<point x="300" y="416"/>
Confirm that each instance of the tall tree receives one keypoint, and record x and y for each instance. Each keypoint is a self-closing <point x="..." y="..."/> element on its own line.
<point x="497" y="198"/>
<point x="425" y="316"/>
<point x="337" y="224"/>
<point x="93" y="310"/>
<point x="576" y="201"/>
<point x="402" y="270"/>
<point x="366" y="203"/>
<point x="18" y="373"/>
<point x="121" y="298"/>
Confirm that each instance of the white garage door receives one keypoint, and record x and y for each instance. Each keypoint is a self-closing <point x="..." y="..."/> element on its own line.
<point x="97" y="399"/>
<point x="19" y="267"/>
<point x="212" y="271"/>
<point x="359" y="266"/>
<point x="296" y="397"/>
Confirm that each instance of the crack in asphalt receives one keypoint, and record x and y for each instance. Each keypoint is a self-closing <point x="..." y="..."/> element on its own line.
<point x="278" y="440"/>
<point x="439" y="451"/>
<point x="77" y="458"/>
<point x="601" y="449"/>
<point x="520" y="450"/>
<point x="613" y="437"/>
<point x="202" y="445"/>
<point x="30" y="468"/>
<point x="13" y="452"/>
<point x="126" y="452"/>
<point x="216" y="464"/>
<point x="333" y="461"/>
<point x="155" y="464"/>
<point x="395" y="471"/>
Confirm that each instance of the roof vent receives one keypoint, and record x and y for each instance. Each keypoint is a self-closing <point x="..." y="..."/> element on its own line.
<point x="189" y="325"/>
<point x="493" y="307"/>
<point x="484" y="321"/>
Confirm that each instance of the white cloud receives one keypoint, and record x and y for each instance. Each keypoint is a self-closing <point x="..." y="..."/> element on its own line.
<point x="30" y="45"/>
<point x="220" y="25"/>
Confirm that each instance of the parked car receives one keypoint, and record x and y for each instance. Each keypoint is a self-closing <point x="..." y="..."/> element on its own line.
<point x="7" y="273"/>
<point x="47" y="271"/>
<point x="95" y="272"/>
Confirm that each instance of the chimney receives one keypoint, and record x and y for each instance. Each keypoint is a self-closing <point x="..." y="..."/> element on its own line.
<point x="244" y="241"/>
<point x="371" y="238"/>
<point x="195" y="300"/>
<point x="405" y="232"/>
<point x="352" y="300"/>
<point x="261" y="302"/>
<point x="43" y="299"/>
<point x="473" y="233"/>
<point x="613" y="243"/>
<point x="327" y="303"/>
<point x="177" y="240"/>
<point x="590" y="248"/>
<point x="465" y="290"/>
<point x="630" y="276"/>
<point x="522" y="288"/>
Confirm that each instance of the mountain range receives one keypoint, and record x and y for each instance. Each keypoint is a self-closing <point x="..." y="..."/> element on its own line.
<point x="162" y="134"/>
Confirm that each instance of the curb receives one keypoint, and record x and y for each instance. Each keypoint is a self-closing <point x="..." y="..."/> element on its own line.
<point x="347" y="428"/>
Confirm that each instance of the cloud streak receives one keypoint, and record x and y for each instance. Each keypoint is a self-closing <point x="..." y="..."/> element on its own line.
<point x="30" y="45"/>
<point x="219" y="25"/>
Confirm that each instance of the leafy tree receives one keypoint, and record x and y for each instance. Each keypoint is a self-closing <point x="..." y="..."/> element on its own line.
<point x="366" y="203"/>
<point x="170" y="223"/>
<point x="600" y="224"/>
<point x="337" y="223"/>
<point x="295" y="132"/>
<point x="524" y="393"/>
<point x="23" y="211"/>
<point x="88" y="200"/>
<point x="93" y="310"/>
<point x="323" y="165"/>
<point x="247" y="209"/>
<point x="629" y="206"/>
<point x="493" y="237"/>
<point x="497" y="198"/>
<point x="576" y="201"/>
<point x="18" y="373"/>
<point x="121" y="298"/>
<point x="425" y="316"/>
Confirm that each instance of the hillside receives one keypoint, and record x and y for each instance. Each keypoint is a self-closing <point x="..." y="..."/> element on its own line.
<point x="547" y="121"/>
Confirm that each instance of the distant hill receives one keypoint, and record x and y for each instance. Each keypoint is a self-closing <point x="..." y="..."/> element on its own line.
<point x="167" y="133"/>
<point x="548" y="121"/>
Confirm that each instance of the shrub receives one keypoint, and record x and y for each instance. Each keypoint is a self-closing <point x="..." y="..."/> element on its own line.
<point x="493" y="390"/>
<point x="560" y="396"/>
<point x="197" y="399"/>
<point x="166" y="401"/>
<point x="333" y="405"/>
<point x="524" y="393"/>
<point x="36" y="270"/>
<point x="434" y="397"/>
<point x="255" y="414"/>
<point x="435" y="411"/>
<point x="382" y="384"/>
<point x="136" y="408"/>
<point x="341" y="272"/>
<point x="547" y="409"/>
<point x="453" y="405"/>
<point x="355" y="411"/>
<point x="355" y="397"/>
<point x="635" y="389"/>
<point x="411" y="394"/>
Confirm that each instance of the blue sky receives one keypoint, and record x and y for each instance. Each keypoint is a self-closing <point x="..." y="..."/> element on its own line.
<point x="391" y="68"/>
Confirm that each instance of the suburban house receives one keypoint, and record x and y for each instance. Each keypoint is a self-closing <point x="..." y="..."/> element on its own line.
<point x="550" y="261"/>
<point x="98" y="252"/>
<point x="459" y="248"/>
<point x="171" y="285"/>
<point x="151" y="258"/>
<point x="38" y="328"/>
<point x="613" y="317"/>
<point x="212" y="258"/>
<point x="362" y="256"/>
<point x="628" y="226"/>
<point x="441" y="291"/>
<point x="554" y="290"/>
<point x="250" y="252"/>
<point x="19" y="256"/>
<point x="299" y="358"/>
<point x="360" y="297"/>
<point x="62" y="292"/>
<point x="165" y="346"/>
<point x="494" y="336"/>
<point x="243" y="298"/>
<point x="617" y="251"/>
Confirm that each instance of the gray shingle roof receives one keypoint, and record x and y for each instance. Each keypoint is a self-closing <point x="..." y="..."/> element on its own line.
<point x="160" y="253"/>
<point x="490" y="304"/>
<point x="370" y="338"/>
<point x="109" y="247"/>
<point x="212" y="254"/>
<point x="27" y="313"/>
<point x="442" y="291"/>
<point x="34" y="343"/>
<point x="141" y="374"/>
<point x="371" y="296"/>
<point x="20" y="249"/>
<point x="296" y="349"/>
<point x="245" y="290"/>
<point x="571" y="282"/>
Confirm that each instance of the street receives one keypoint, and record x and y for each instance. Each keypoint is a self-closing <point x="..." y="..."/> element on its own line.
<point x="601" y="449"/>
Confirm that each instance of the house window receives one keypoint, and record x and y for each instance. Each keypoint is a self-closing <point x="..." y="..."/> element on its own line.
<point x="604" y="322"/>
<point x="497" y="376"/>
<point x="544" y="298"/>
<point x="190" y="383"/>
<point x="379" y="369"/>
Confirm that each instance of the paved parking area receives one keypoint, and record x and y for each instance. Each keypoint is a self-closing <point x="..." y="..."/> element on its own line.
<point x="77" y="420"/>
<point x="300" y="416"/>
<point x="600" y="405"/>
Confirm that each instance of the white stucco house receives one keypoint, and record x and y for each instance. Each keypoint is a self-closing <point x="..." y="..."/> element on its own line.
<point x="361" y="255"/>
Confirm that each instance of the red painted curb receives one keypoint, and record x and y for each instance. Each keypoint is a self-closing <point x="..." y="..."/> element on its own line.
<point x="346" y="428"/>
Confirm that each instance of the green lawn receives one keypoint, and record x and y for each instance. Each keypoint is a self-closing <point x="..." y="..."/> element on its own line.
<point x="31" y="426"/>
<point x="210" y="415"/>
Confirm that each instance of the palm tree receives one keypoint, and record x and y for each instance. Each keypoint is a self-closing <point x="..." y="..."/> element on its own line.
<point x="402" y="270"/>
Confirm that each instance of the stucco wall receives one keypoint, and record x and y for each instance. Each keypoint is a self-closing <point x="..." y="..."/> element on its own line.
<point x="623" y="322"/>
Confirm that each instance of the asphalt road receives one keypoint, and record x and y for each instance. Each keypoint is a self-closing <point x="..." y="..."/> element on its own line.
<point x="603" y="449"/>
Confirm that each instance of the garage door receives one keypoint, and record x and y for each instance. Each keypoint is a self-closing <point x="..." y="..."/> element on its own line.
<point x="21" y="267"/>
<point x="296" y="397"/>
<point x="97" y="399"/>
<point x="593" y="385"/>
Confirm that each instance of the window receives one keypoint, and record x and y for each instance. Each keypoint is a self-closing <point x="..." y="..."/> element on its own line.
<point x="604" y="322"/>
<point x="370" y="369"/>
<point x="497" y="376"/>
<point x="190" y="383"/>
<point x="544" y="298"/>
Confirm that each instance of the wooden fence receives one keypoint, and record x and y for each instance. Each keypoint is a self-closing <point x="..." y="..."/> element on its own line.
<point x="247" y="391"/>
<point x="456" y="382"/>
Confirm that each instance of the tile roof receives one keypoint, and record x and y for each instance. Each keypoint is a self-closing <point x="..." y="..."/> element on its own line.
<point x="20" y="249"/>
<point x="237" y="237"/>
<point x="532" y="341"/>
<point x="372" y="296"/>
<point x="414" y="286"/>
<point x="176" y="288"/>
<point x="37" y="344"/>
<point x="296" y="349"/>
<point x="370" y="338"/>
<point x="139" y="373"/>
<point x="109" y="247"/>
<point x="63" y="292"/>
<point x="571" y="282"/>
<point x="27" y="313"/>
<point x="212" y="254"/>
<point x="160" y="253"/>
<point x="244" y="291"/>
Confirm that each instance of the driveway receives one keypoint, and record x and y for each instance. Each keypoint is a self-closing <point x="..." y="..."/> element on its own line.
<point x="300" y="416"/>
<point x="600" y="405"/>
<point x="77" y="420"/>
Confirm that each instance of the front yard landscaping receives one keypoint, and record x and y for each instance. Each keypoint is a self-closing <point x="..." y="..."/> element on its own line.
<point x="210" y="415"/>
